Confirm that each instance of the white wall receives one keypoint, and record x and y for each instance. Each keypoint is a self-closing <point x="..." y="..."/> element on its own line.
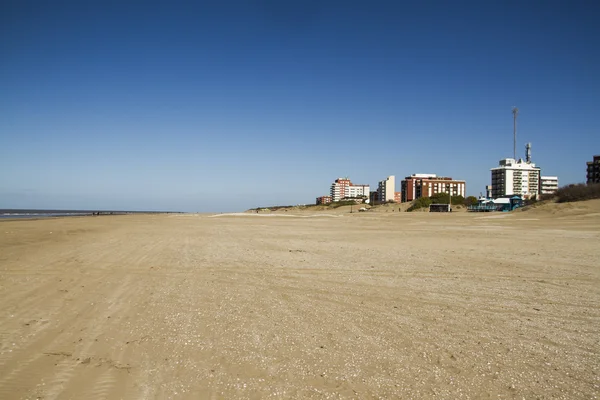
<point x="389" y="188"/>
<point x="508" y="167"/>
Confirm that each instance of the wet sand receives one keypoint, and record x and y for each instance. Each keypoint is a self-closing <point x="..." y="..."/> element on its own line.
<point x="362" y="305"/>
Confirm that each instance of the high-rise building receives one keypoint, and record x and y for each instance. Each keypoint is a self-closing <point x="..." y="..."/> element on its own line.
<point x="593" y="171"/>
<point x="338" y="188"/>
<point x="386" y="189"/>
<point x="343" y="188"/>
<point x="426" y="185"/>
<point x="548" y="184"/>
<point x="374" y="197"/>
<point x="514" y="177"/>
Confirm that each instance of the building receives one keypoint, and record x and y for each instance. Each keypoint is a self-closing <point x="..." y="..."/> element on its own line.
<point x="374" y="197"/>
<point x="593" y="171"/>
<point x="386" y="189"/>
<point x="398" y="197"/>
<point x="324" y="200"/>
<point x="338" y="188"/>
<point x="508" y="203"/>
<point x="514" y="177"/>
<point x="343" y="188"/>
<point x="548" y="184"/>
<point x="358" y="191"/>
<point x="426" y="185"/>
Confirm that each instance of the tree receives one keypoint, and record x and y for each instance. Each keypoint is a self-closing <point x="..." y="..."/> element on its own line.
<point x="471" y="201"/>
<point x="439" y="198"/>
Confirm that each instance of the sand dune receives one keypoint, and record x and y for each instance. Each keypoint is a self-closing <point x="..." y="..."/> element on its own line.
<point x="580" y="208"/>
<point x="371" y="305"/>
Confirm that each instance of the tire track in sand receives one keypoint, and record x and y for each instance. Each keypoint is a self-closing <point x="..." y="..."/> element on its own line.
<point x="30" y="307"/>
<point x="66" y="370"/>
<point x="102" y="387"/>
<point x="108" y="375"/>
<point x="31" y="362"/>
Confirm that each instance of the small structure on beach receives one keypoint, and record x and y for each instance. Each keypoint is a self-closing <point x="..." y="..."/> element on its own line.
<point x="503" y="203"/>
<point x="483" y="205"/>
<point x="508" y="203"/>
<point x="440" y="208"/>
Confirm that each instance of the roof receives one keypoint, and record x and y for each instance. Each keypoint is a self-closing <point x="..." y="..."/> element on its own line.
<point x="509" y="196"/>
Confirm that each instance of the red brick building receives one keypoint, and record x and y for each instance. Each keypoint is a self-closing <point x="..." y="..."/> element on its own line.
<point x="324" y="200"/>
<point x="426" y="185"/>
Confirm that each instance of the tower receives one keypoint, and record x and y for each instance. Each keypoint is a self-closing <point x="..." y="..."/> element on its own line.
<point x="528" y="153"/>
<point x="515" y="112"/>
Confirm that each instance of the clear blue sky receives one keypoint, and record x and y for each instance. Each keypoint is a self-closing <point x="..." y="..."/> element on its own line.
<point x="194" y="106"/>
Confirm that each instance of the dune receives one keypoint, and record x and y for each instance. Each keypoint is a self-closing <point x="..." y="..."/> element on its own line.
<point x="573" y="209"/>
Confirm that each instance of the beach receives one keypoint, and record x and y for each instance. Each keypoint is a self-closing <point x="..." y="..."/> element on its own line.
<point x="307" y="305"/>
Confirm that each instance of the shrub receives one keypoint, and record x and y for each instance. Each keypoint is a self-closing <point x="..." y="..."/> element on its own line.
<point x="439" y="198"/>
<point x="530" y="202"/>
<point x="442" y="198"/>
<point x="337" y="204"/>
<point x="547" y="196"/>
<point x="471" y="201"/>
<point x="578" y="192"/>
<point x="421" y="202"/>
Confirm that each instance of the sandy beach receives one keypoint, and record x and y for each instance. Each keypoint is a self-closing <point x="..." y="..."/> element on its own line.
<point x="331" y="305"/>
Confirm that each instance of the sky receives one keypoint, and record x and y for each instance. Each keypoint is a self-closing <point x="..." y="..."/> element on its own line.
<point x="224" y="106"/>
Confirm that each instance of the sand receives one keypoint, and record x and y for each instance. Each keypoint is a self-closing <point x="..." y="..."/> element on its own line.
<point x="363" y="305"/>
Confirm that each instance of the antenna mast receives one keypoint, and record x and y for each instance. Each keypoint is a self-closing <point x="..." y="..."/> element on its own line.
<point x="515" y="112"/>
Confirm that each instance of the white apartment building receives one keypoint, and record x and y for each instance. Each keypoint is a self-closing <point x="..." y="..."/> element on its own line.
<point x="514" y="177"/>
<point x="386" y="189"/>
<point x="355" y="191"/>
<point x="548" y="184"/>
<point x="343" y="188"/>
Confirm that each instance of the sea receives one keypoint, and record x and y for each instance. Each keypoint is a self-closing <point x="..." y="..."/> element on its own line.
<point x="36" y="214"/>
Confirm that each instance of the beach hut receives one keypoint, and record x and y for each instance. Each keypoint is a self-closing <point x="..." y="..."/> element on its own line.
<point x="440" y="208"/>
<point x="508" y="203"/>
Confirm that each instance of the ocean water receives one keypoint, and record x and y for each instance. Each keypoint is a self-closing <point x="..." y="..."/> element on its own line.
<point x="34" y="214"/>
<point x="30" y="214"/>
<point x="39" y="215"/>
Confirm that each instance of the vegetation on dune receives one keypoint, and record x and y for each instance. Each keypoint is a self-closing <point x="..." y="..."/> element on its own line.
<point x="566" y="194"/>
<point x="333" y="205"/>
<point x="441" y="198"/>
<point x="471" y="201"/>
<point x="578" y="192"/>
<point x="421" y="202"/>
<point x="337" y="204"/>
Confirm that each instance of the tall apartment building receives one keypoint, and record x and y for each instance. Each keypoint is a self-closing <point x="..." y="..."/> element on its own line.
<point x="343" y="188"/>
<point x="514" y="177"/>
<point x="386" y="189"/>
<point x="548" y="184"/>
<point x="374" y="197"/>
<point x="426" y="185"/>
<point x="593" y="171"/>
